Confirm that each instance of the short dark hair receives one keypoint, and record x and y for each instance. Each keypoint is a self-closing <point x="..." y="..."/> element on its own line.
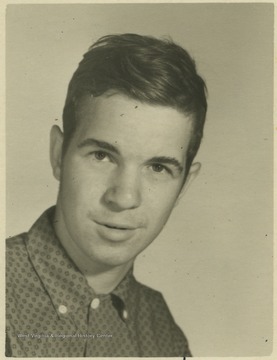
<point x="154" y="71"/>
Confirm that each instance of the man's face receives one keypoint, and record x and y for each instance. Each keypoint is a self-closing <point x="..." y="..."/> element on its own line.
<point x="119" y="178"/>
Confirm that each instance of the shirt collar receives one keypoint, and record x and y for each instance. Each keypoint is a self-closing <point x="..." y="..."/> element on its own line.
<point x="62" y="280"/>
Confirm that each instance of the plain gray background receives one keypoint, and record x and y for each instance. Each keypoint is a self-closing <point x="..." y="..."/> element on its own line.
<point x="213" y="262"/>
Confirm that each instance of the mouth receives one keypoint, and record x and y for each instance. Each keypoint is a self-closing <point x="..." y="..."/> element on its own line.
<point x="116" y="226"/>
<point x="115" y="232"/>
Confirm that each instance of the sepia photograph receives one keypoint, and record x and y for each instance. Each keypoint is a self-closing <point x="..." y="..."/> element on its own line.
<point x="139" y="180"/>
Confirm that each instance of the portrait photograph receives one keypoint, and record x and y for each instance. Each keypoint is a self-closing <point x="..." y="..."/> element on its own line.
<point x="139" y="180"/>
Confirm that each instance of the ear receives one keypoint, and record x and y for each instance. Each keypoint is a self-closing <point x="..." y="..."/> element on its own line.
<point x="56" y="142"/>
<point x="193" y="172"/>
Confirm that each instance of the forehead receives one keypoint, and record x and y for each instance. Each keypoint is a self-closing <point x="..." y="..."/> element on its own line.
<point x="129" y="122"/>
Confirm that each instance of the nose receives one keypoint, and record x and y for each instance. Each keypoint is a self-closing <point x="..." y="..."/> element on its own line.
<point x="124" y="191"/>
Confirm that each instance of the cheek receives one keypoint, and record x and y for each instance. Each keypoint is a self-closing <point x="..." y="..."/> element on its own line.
<point x="81" y="185"/>
<point x="161" y="203"/>
<point x="162" y="195"/>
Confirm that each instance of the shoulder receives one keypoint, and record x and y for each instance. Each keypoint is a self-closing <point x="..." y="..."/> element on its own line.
<point x="169" y="334"/>
<point x="15" y="246"/>
<point x="153" y="298"/>
<point x="153" y="301"/>
<point x="18" y="247"/>
<point x="17" y="259"/>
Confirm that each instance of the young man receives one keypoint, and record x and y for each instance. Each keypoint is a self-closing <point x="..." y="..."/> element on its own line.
<point x="133" y="122"/>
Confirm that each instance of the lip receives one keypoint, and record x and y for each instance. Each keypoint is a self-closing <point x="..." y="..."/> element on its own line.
<point x="116" y="226"/>
<point x="115" y="232"/>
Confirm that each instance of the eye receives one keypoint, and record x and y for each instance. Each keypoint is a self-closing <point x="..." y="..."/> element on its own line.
<point x="100" y="155"/>
<point x="158" y="168"/>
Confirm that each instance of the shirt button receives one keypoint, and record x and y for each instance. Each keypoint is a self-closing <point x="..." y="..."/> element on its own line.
<point x="95" y="303"/>
<point x="125" y="314"/>
<point x="62" y="309"/>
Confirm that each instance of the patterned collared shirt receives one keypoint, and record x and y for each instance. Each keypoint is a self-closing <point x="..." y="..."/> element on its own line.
<point x="51" y="311"/>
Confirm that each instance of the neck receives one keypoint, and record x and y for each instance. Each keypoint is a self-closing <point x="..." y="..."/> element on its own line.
<point x="101" y="278"/>
<point x="106" y="281"/>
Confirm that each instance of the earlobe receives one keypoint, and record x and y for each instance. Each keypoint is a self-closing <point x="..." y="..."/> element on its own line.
<point x="193" y="172"/>
<point x="56" y="142"/>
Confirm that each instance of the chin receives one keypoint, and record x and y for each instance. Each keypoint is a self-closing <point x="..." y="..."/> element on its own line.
<point x="114" y="260"/>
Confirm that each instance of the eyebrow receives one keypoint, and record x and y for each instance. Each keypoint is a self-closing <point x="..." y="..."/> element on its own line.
<point x="156" y="159"/>
<point x="167" y="160"/>
<point x="102" y="144"/>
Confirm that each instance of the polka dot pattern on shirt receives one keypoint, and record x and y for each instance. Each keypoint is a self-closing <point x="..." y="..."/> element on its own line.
<point x="52" y="311"/>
